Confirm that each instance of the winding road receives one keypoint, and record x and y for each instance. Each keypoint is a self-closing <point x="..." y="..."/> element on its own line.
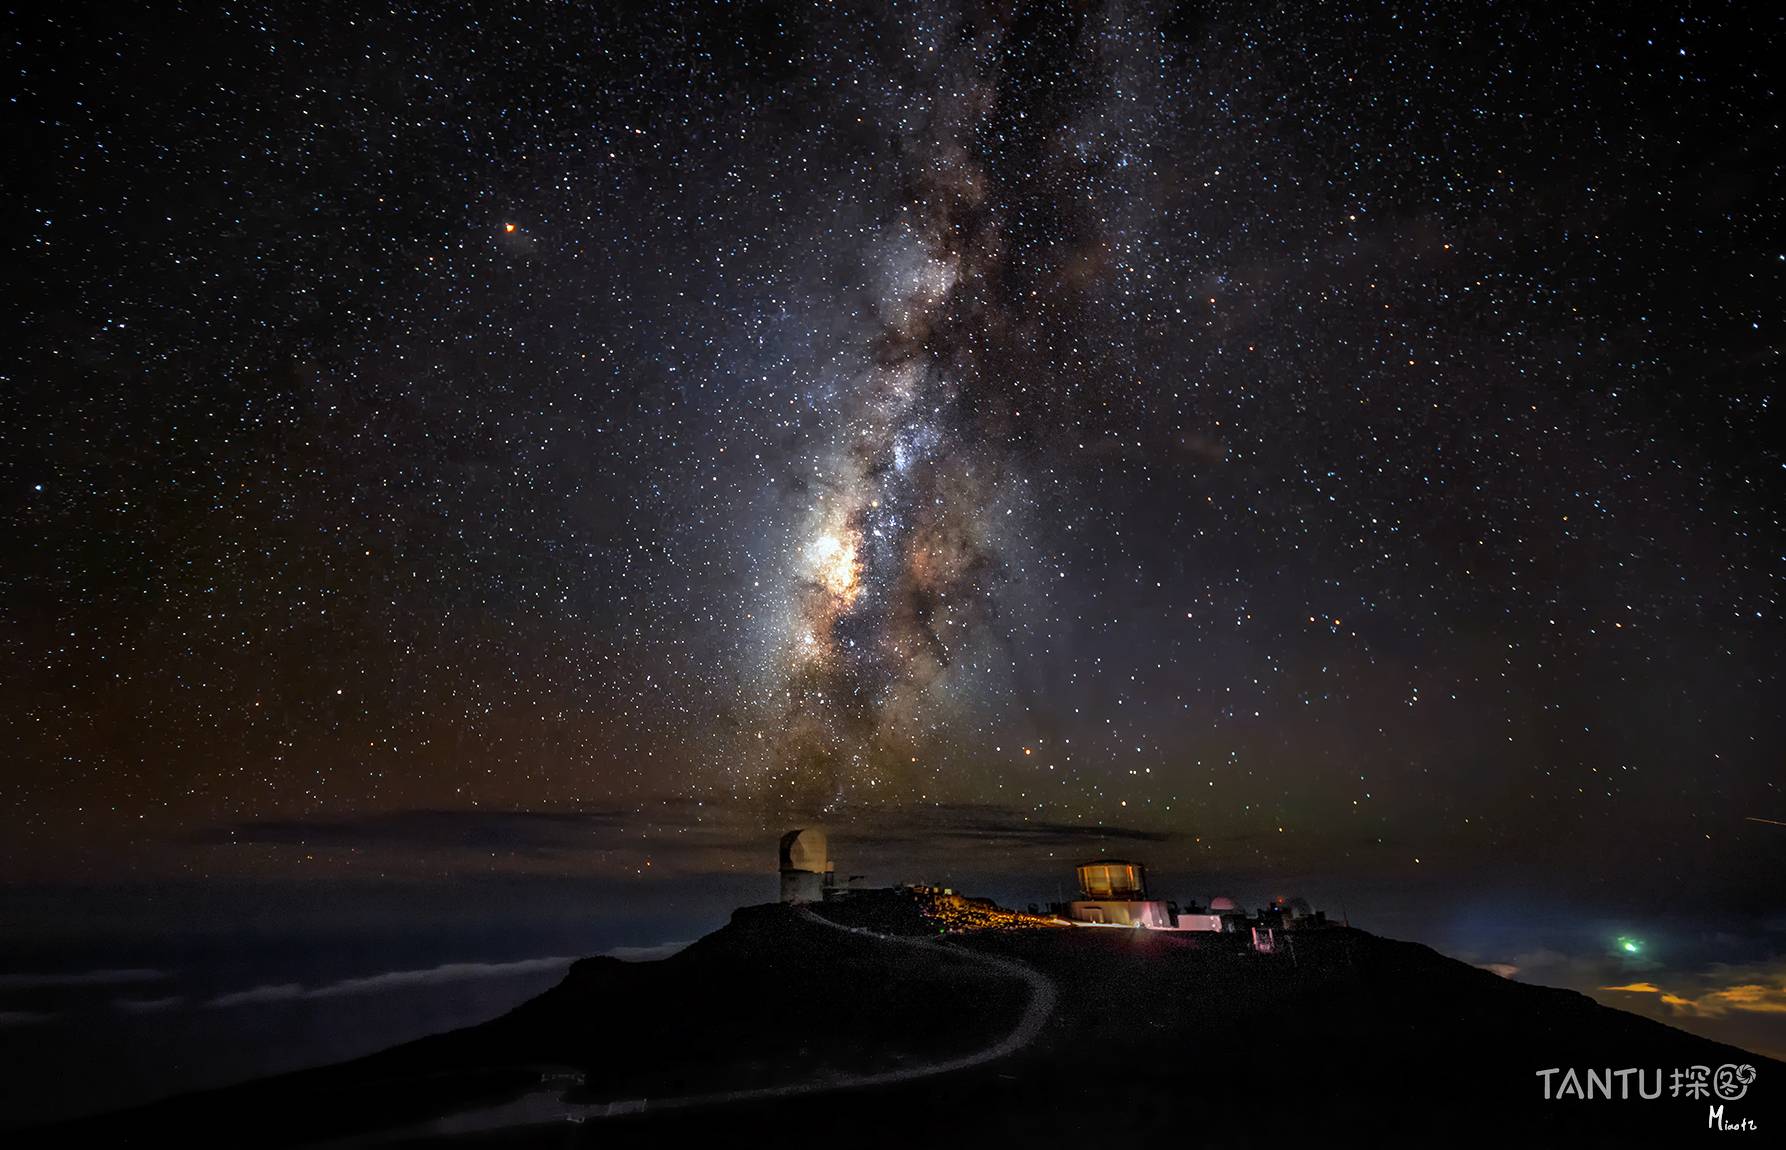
<point x="548" y="1105"/>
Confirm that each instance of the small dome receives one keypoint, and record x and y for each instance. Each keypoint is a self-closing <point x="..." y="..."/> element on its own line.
<point x="1222" y="904"/>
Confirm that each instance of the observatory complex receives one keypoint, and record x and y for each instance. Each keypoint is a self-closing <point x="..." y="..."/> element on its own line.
<point x="1112" y="893"/>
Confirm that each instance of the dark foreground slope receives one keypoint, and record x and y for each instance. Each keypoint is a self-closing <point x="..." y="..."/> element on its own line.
<point x="783" y="1017"/>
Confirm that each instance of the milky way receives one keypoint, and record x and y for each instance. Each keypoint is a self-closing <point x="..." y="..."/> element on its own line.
<point x="901" y="563"/>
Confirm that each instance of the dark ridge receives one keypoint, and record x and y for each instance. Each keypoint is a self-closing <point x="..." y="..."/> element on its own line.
<point x="1339" y="1035"/>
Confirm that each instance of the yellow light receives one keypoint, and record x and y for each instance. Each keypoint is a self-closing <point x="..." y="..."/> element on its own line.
<point x="508" y="228"/>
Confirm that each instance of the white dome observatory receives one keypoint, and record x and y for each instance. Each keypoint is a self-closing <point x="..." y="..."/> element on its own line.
<point x="805" y="866"/>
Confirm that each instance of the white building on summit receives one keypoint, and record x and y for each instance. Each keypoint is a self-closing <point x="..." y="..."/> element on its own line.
<point x="806" y="874"/>
<point x="1114" y="892"/>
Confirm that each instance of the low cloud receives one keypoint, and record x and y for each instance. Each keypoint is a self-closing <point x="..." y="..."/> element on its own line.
<point x="529" y="833"/>
<point x="669" y="836"/>
<point x="1717" y="1002"/>
<point x="260" y="995"/>
<point x="645" y="953"/>
<point x="147" y="1005"/>
<point x="1753" y="996"/>
<point x="984" y="826"/>
<point x="23" y="1017"/>
<point x="389" y="980"/>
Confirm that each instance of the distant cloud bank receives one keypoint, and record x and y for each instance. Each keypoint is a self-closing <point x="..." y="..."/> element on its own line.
<point x="645" y="953"/>
<point x="1752" y="992"/>
<point x="389" y="980"/>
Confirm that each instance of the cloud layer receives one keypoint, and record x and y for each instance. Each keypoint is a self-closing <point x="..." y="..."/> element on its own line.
<point x="389" y="980"/>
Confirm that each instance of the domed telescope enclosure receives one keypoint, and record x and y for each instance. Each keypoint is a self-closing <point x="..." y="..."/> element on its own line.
<point x="805" y="866"/>
<point x="1112" y="878"/>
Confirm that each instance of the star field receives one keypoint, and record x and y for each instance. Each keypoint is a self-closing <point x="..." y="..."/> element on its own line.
<point x="1331" y="438"/>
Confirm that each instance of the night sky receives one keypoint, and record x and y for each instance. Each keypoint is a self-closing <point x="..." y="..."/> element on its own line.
<point x="1288" y="444"/>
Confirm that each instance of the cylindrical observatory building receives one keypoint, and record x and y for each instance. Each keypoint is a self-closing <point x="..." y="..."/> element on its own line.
<point x="805" y="867"/>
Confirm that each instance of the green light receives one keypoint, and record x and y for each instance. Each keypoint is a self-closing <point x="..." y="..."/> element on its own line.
<point x="1630" y="945"/>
